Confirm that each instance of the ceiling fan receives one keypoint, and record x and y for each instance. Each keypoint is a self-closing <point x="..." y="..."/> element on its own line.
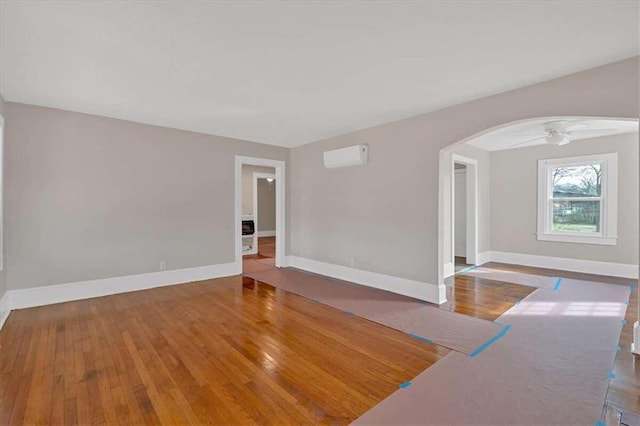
<point x="560" y="132"/>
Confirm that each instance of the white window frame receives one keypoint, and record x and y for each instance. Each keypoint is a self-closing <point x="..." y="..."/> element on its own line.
<point x="608" y="234"/>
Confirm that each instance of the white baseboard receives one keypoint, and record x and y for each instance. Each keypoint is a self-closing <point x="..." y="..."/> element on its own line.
<point x="483" y="257"/>
<point x="267" y="233"/>
<point x="448" y="270"/>
<point x="635" y="346"/>
<point x="417" y="289"/>
<point x="47" y="295"/>
<point x="566" y="264"/>
<point x="5" y="308"/>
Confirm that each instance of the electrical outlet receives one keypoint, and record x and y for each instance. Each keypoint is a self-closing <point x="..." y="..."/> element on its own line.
<point x="163" y="265"/>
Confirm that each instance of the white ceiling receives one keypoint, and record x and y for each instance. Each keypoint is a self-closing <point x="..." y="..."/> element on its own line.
<point x="532" y="132"/>
<point x="289" y="73"/>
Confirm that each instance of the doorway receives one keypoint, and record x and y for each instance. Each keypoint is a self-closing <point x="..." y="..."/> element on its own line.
<point x="259" y="211"/>
<point x="460" y="217"/>
<point x="264" y="215"/>
<point x="463" y="223"/>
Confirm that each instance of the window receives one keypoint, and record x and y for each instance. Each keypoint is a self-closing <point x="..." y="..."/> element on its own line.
<point x="578" y="199"/>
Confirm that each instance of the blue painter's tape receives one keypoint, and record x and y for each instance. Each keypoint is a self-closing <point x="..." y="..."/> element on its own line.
<point x="464" y="271"/>
<point x="618" y="349"/>
<point x="611" y="375"/>
<point x="632" y="287"/>
<point x="424" y="339"/>
<point x="600" y="423"/>
<point x="349" y="313"/>
<point x="557" y="285"/>
<point x="490" y="342"/>
<point x="624" y="321"/>
<point x="518" y="302"/>
<point x="626" y="303"/>
<point x="405" y="385"/>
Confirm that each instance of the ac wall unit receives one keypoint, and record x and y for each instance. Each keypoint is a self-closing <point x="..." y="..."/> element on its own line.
<point x="344" y="157"/>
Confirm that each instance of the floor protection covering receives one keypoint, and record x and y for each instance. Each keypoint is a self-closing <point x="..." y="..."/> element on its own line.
<point x="552" y="368"/>
<point x="511" y="277"/>
<point x="455" y="331"/>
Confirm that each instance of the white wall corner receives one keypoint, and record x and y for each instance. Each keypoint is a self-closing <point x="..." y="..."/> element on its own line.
<point x="448" y="269"/>
<point x="5" y="308"/>
<point x="420" y="290"/>
<point x="47" y="295"/>
<point x="565" y="264"/>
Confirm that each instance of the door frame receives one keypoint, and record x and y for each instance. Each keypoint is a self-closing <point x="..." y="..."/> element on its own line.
<point x="472" y="212"/>
<point x="279" y="166"/>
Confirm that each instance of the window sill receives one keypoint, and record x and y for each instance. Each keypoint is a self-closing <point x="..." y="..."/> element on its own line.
<point x="579" y="239"/>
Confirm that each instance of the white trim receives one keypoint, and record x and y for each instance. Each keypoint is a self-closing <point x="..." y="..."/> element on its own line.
<point x="449" y="269"/>
<point x="580" y="239"/>
<point x="280" y="205"/>
<point x="47" y="295"/>
<point x="5" y="308"/>
<point x="635" y="345"/>
<point x="420" y="290"/>
<point x="267" y="233"/>
<point x="565" y="264"/>
<point x="483" y="258"/>
<point x="608" y="200"/>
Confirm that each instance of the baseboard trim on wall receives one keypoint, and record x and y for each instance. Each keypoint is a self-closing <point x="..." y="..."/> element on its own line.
<point x="565" y="264"/>
<point x="267" y="233"/>
<point x="47" y="295"/>
<point x="417" y="289"/>
<point x="483" y="257"/>
<point x="5" y="308"/>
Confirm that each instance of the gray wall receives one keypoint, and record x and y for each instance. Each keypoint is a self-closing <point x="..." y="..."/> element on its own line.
<point x="266" y="205"/>
<point x="460" y="216"/>
<point x="3" y="281"/>
<point x="514" y="195"/>
<point x="247" y="185"/>
<point x="385" y="216"/>
<point x="91" y="197"/>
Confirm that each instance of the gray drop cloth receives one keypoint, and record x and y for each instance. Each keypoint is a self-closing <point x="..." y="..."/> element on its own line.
<point x="552" y="368"/>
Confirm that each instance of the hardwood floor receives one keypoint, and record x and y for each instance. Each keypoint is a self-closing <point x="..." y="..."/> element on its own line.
<point x="229" y="351"/>
<point x="482" y="298"/>
<point x="220" y="351"/>
<point x="267" y="246"/>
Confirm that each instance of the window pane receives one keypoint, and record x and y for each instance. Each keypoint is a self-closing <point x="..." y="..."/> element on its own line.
<point x="576" y="216"/>
<point x="577" y="181"/>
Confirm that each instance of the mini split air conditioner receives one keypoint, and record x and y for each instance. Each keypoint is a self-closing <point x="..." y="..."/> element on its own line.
<point x="344" y="157"/>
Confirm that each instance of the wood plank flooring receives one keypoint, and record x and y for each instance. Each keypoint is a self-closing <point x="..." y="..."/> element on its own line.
<point x="228" y="351"/>
<point x="219" y="351"/>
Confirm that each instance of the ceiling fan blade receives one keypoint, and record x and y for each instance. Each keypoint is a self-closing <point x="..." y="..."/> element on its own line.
<point x="529" y="141"/>
<point x="585" y="131"/>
